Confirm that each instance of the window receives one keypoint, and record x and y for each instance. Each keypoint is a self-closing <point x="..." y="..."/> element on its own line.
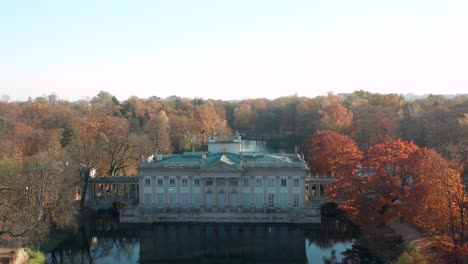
<point x="221" y="182"/>
<point x="172" y="182"/>
<point x="196" y="200"/>
<point x="283" y="182"/>
<point x="184" y="182"/>
<point x="184" y="199"/>
<point x="147" y="182"/>
<point x="258" y="182"/>
<point x="160" y="199"/>
<point x="209" y="182"/>
<point x="172" y="199"/>
<point x="296" y="200"/>
<point x="160" y="182"/>
<point x="233" y="182"/>
<point x="246" y="200"/>
<point x="271" y="200"/>
<point x="196" y="182"/>
<point x="296" y="182"/>
<point x="246" y="182"/>
<point x="271" y="182"/>
<point x="148" y="199"/>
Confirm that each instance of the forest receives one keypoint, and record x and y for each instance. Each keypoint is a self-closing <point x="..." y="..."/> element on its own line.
<point x="49" y="146"/>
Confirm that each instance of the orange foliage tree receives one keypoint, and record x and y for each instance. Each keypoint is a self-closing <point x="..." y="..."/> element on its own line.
<point x="331" y="153"/>
<point x="399" y="179"/>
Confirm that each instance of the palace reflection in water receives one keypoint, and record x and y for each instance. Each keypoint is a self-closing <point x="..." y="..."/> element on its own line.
<point x="109" y="242"/>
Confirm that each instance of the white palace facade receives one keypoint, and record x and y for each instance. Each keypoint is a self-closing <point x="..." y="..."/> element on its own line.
<point x="225" y="182"/>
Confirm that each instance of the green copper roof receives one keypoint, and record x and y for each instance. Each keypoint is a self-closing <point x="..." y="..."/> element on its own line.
<point x="200" y="160"/>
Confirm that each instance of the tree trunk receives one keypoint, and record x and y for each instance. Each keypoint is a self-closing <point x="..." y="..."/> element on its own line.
<point x="84" y="173"/>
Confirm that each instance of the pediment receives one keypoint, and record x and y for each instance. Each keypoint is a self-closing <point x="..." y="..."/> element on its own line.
<point x="221" y="167"/>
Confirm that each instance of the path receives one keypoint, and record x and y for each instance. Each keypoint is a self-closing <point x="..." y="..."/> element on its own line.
<point x="412" y="235"/>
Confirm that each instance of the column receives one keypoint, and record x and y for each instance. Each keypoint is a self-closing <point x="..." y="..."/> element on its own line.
<point x="190" y="186"/>
<point x="302" y="185"/>
<point x="128" y="190"/>
<point x="178" y="183"/>
<point x="202" y="194"/>
<point x="290" y="194"/>
<point x="135" y="193"/>
<point x="227" y="195"/>
<point x="166" y="191"/>
<point x="240" y="193"/>
<point x="215" y="195"/>
<point x="252" y="192"/>
<point x="153" y="191"/>
<point x="265" y="193"/>
<point x="277" y="194"/>
<point x="140" y="194"/>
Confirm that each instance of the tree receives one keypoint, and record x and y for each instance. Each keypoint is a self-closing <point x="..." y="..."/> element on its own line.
<point x="331" y="153"/>
<point x="68" y="135"/>
<point x="49" y="190"/>
<point x="114" y="141"/>
<point x="372" y="125"/>
<point x="11" y="194"/>
<point x="335" y="116"/>
<point x="85" y="150"/>
<point x="440" y="207"/>
<point x="384" y="186"/>
<point x="160" y="134"/>
<point x="243" y="116"/>
<point x="397" y="179"/>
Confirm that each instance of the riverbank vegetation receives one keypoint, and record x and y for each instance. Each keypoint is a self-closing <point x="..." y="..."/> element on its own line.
<point x="49" y="148"/>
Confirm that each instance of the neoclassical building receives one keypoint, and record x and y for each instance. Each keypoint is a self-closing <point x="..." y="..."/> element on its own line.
<point x="226" y="179"/>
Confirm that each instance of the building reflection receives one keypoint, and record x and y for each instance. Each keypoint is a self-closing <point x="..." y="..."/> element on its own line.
<point x="233" y="243"/>
<point x="104" y="241"/>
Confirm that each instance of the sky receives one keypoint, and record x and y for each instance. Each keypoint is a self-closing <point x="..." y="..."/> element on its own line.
<point x="223" y="49"/>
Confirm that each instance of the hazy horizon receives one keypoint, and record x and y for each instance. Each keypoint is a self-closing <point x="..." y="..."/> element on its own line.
<point x="231" y="50"/>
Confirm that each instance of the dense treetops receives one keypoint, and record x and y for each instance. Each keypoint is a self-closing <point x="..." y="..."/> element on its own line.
<point x="122" y="132"/>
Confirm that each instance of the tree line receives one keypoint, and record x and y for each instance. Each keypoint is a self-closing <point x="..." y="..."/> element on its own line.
<point x="48" y="147"/>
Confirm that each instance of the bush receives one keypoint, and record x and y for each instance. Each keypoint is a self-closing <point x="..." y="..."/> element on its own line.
<point x="36" y="256"/>
<point x="410" y="255"/>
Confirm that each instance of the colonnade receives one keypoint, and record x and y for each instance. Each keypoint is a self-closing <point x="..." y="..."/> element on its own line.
<point x="113" y="189"/>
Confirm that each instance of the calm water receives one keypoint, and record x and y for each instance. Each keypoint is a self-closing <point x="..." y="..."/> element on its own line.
<point x="105" y="241"/>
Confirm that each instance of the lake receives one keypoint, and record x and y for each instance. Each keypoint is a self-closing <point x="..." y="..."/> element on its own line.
<point x="105" y="241"/>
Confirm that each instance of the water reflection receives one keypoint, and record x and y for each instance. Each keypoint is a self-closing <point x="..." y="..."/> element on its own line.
<point x="106" y="241"/>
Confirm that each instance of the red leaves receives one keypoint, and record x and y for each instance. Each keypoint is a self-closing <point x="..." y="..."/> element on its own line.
<point x="330" y="153"/>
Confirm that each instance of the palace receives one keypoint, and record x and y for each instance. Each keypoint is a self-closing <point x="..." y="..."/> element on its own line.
<point x="226" y="179"/>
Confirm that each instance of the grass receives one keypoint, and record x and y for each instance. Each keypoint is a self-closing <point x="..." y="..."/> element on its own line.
<point x="36" y="256"/>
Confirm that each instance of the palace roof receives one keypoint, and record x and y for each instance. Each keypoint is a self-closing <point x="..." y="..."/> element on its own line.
<point x="241" y="161"/>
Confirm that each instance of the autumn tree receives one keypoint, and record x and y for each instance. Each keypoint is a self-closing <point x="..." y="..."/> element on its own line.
<point x="440" y="206"/>
<point x="372" y="125"/>
<point x="49" y="191"/>
<point x="243" y="116"/>
<point x="12" y="189"/>
<point x="115" y="143"/>
<point x="334" y="116"/>
<point x="159" y="133"/>
<point x="331" y="153"/>
<point x="399" y="179"/>
<point x="86" y="149"/>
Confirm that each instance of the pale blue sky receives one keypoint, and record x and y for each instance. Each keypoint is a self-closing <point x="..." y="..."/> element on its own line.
<point x="231" y="49"/>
